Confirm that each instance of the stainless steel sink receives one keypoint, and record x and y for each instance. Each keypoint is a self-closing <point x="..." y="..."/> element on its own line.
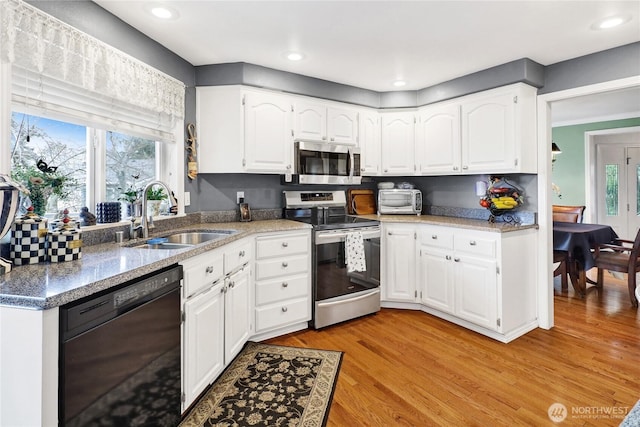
<point x="197" y="237"/>
<point x="185" y="239"/>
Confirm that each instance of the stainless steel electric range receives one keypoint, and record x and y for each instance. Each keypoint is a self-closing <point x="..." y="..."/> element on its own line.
<point x="338" y="294"/>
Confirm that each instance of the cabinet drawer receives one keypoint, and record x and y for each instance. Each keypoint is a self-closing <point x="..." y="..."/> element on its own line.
<point x="201" y="271"/>
<point x="474" y="245"/>
<point x="282" y="289"/>
<point x="437" y="238"/>
<point x="284" y="313"/>
<point x="269" y="247"/>
<point x="237" y="255"/>
<point x="285" y="266"/>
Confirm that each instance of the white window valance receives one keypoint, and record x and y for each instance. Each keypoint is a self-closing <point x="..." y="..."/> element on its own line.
<point x="57" y="67"/>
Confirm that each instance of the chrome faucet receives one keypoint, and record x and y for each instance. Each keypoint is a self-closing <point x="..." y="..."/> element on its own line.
<point x="146" y="223"/>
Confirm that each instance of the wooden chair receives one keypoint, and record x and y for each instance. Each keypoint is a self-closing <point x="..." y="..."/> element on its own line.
<point x="568" y="213"/>
<point x="622" y="257"/>
<point x="565" y="214"/>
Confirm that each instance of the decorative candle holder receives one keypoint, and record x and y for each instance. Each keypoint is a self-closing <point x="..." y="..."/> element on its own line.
<point x="28" y="239"/>
<point x="65" y="243"/>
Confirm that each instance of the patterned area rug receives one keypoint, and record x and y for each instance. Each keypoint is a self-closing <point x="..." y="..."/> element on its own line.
<point x="271" y="385"/>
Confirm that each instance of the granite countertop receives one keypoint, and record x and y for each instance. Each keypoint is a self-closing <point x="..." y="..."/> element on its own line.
<point x="48" y="285"/>
<point x="474" y="224"/>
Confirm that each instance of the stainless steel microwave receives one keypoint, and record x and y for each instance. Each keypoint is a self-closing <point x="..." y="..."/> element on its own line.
<point x="400" y="201"/>
<point x="326" y="163"/>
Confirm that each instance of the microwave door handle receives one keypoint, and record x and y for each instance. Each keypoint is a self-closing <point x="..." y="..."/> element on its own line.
<point x="350" y="164"/>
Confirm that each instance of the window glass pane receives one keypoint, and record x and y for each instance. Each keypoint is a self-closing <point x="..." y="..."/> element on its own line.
<point x="131" y="164"/>
<point x="611" y="183"/>
<point x="49" y="156"/>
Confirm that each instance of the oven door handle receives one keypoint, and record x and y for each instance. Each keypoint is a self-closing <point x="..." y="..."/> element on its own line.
<point x="349" y="300"/>
<point x="323" y="237"/>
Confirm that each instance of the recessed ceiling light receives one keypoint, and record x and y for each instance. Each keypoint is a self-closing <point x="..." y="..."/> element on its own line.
<point x="399" y="83"/>
<point x="610" y="22"/>
<point x="162" y="12"/>
<point x="294" y="56"/>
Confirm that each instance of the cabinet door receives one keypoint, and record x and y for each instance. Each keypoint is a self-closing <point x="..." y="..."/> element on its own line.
<point x="398" y="131"/>
<point x="438" y="140"/>
<point x="476" y="291"/>
<point x="400" y="264"/>
<point x="436" y="279"/>
<point x="268" y="133"/>
<point x="488" y="134"/>
<point x="237" y="315"/>
<point x="203" y="345"/>
<point x="311" y="121"/>
<point x="342" y="126"/>
<point x="370" y="143"/>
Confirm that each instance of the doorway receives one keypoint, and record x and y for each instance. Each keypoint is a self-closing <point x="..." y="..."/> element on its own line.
<point x="616" y="173"/>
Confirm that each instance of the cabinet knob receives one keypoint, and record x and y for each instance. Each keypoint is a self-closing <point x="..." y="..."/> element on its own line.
<point x="456" y="259"/>
<point x="232" y="284"/>
<point x="332" y="139"/>
<point x="324" y="138"/>
<point x="224" y="290"/>
<point x="434" y="236"/>
<point x="285" y="264"/>
<point x="389" y="233"/>
<point x="241" y="254"/>
<point x="288" y="166"/>
<point x="209" y="269"/>
<point x="386" y="170"/>
<point x="472" y="243"/>
<point x="455" y="168"/>
<point x="361" y="169"/>
<point x="285" y="284"/>
<point x="465" y="167"/>
<point x="285" y="244"/>
<point x="447" y="257"/>
<point x="284" y="309"/>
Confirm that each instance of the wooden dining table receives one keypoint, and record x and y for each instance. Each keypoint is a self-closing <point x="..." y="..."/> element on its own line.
<point x="578" y="239"/>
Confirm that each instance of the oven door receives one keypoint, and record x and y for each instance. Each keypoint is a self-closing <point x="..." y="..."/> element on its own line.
<point x="338" y="294"/>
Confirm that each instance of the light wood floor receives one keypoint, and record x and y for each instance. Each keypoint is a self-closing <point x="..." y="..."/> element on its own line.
<point x="407" y="368"/>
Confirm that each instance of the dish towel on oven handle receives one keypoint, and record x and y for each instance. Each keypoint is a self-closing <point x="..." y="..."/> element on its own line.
<point x="354" y="252"/>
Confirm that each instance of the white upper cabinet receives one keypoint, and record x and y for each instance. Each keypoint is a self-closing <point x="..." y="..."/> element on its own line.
<point x="438" y="140"/>
<point x="498" y="130"/>
<point x="369" y="143"/>
<point x="268" y="133"/>
<point x="325" y="122"/>
<point x="243" y="130"/>
<point x="397" y="140"/>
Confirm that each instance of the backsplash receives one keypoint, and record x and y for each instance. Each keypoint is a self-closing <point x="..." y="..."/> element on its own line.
<point x="521" y="217"/>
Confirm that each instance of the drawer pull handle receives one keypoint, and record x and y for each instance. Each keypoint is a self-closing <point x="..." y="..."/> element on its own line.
<point x="285" y="264"/>
<point x="390" y="233"/>
<point x="285" y="244"/>
<point x="241" y="253"/>
<point x="456" y="259"/>
<point x="209" y="269"/>
<point x="472" y="243"/>
<point x="284" y="309"/>
<point x="285" y="284"/>
<point x="434" y="236"/>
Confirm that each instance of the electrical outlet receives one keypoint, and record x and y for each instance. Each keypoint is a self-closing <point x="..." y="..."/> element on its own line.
<point x="239" y="195"/>
<point x="187" y="198"/>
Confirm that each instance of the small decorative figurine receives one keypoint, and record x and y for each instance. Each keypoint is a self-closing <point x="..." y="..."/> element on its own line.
<point x="86" y="217"/>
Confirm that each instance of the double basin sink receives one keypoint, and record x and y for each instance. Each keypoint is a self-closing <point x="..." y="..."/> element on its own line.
<point x="185" y="239"/>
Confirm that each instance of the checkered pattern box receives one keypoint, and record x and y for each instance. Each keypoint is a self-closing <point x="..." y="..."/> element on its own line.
<point x="65" y="245"/>
<point x="28" y="240"/>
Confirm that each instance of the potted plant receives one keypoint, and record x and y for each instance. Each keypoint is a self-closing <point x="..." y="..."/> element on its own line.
<point x="155" y="196"/>
<point x="130" y="198"/>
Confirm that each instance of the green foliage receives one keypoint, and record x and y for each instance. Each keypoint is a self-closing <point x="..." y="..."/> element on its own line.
<point x="42" y="185"/>
<point x="156" y="194"/>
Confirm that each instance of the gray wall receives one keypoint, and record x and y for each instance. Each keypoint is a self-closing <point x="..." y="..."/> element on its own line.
<point x="217" y="192"/>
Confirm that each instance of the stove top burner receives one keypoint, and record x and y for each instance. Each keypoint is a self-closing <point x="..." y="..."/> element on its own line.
<point x="322" y="219"/>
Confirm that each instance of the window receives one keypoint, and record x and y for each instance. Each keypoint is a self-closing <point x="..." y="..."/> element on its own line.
<point x="611" y="184"/>
<point x="52" y="158"/>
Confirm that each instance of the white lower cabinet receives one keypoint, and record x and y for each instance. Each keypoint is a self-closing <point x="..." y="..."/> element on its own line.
<point x="203" y="349"/>
<point x="217" y="313"/>
<point x="283" y="280"/>
<point x="398" y="271"/>
<point x="481" y="280"/>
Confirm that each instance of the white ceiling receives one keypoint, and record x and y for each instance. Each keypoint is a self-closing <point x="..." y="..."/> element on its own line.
<point x="370" y="44"/>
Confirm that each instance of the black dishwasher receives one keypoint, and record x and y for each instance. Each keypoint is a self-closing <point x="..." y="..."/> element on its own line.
<point x="120" y="355"/>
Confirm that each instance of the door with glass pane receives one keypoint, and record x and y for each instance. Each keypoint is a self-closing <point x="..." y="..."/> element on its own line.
<point x="618" y="192"/>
